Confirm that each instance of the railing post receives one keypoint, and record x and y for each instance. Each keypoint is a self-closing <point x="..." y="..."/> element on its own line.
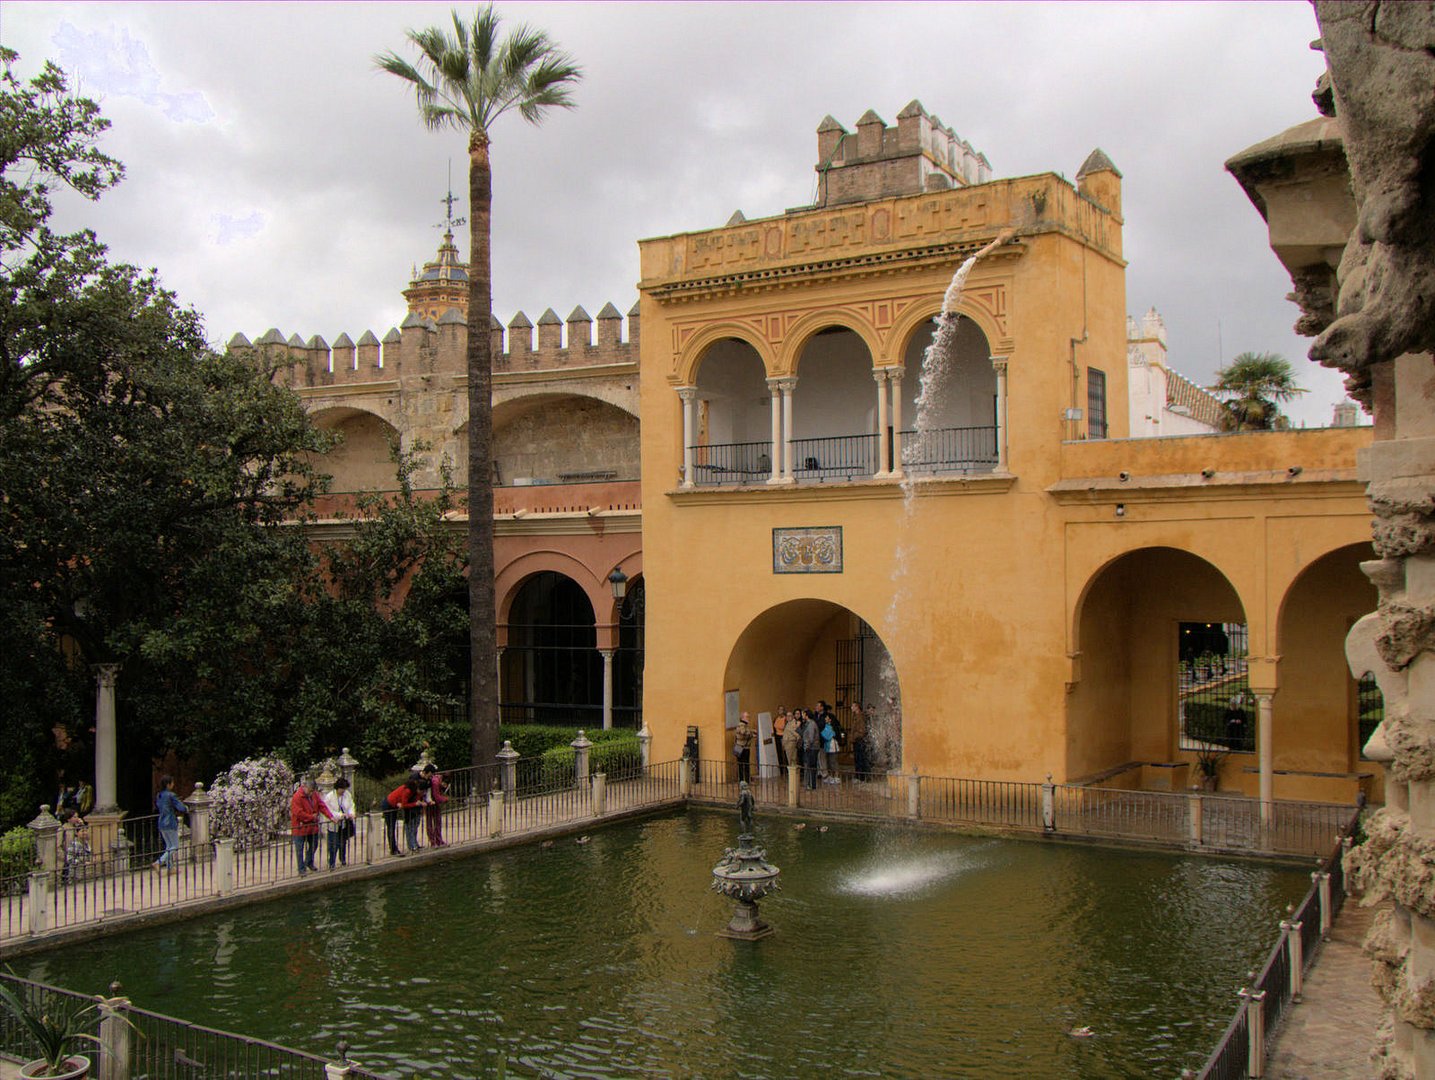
<point x="495" y="813"/>
<point x="1295" y="953"/>
<point x="914" y="795"/>
<point x="1322" y="882"/>
<point x="348" y="764"/>
<point x="115" y="1037"/>
<point x="199" y="806"/>
<point x="224" y="865"/>
<point x="1048" y="805"/>
<point x="600" y="793"/>
<point x="508" y="759"/>
<point x="339" y="1070"/>
<point x="374" y="837"/>
<point x="645" y="746"/>
<point x="46" y="828"/>
<point x="1198" y="824"/>
<point x="793" y="775"/>
<point x="685" y="775"/>
<point x="581" y="745"/>
<point x="1255" y="1030"/>
<point x="39" y="901"/>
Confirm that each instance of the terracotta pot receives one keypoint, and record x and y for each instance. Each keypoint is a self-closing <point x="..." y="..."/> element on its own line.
<point x="77" y="1067"/>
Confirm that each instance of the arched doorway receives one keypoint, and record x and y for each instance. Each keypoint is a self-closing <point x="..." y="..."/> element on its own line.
<point x="834" y="420"/>
<point x="1319" y="708"/>
<point x="732" y="433"/>
<point x="552" y="670"/>
<point x="1160" y="635"/>
<point x="805" y="651"/>
<point x="363" y="459"/>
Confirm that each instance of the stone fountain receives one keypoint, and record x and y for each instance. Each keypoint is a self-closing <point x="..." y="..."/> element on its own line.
<point x="745" y="875"/>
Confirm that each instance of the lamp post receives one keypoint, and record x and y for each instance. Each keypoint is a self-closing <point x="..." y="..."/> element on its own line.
<point x="618" y="581"/>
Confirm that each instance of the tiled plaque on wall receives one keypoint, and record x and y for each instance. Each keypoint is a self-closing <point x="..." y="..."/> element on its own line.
<point x="813" y="550"/>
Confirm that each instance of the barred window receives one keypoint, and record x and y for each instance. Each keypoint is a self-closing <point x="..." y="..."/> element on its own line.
<point x="1215" y="706"/>
<point x="1095" y="403"/>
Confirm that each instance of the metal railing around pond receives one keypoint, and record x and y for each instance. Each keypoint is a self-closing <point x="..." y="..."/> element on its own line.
<point x="1242" y="1048"/>
<point x="153" y="1046"/>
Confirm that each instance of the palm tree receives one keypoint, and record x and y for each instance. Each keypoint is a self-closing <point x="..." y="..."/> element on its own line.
<point x="467" y="79"/>
<point x="1254" y="386"/>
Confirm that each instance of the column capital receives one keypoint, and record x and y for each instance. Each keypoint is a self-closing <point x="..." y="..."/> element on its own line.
<point x="896" y="373"/>
<point x="688" y="393"/>
<point x="999" y="364"/>
<point x="881" y="374"/>
<point x="787" y="383"/>
<point x="607" y="654"/>
<point x="774" y="383"/>
<point x="106" y="674"/>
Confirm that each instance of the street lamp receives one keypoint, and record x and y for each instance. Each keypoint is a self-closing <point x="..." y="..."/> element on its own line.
<point x="619" y="581"/>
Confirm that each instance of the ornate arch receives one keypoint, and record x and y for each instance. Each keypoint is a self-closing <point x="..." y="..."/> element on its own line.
<point x="923" y="311"/>
<point x="689" y="347"/>
<point x="804" y="329"/>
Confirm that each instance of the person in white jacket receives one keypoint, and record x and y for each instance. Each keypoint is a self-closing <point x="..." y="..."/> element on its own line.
<point x="341" y="804"/>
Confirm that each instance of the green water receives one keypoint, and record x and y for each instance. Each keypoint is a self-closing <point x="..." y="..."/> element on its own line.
<point x="897" y="954"/>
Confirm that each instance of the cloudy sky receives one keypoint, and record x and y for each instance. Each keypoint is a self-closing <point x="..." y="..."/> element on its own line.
<point x="275" y="178"/>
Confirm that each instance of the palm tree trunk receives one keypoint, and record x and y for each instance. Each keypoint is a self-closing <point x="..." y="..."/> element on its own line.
<point x="482" y="608"/>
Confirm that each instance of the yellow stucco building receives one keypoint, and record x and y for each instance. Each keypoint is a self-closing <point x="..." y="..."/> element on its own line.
<point x="1020" y="565"/>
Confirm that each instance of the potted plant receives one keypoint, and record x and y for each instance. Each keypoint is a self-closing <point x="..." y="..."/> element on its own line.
<point x="58" y="1031"/>
<point x="1208" y="764"/>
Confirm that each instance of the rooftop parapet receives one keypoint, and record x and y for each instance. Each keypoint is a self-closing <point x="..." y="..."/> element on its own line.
<point x="423" y="347"/>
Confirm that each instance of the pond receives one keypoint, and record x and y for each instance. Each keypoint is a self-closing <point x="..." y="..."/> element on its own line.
<point x="897" y="953"/>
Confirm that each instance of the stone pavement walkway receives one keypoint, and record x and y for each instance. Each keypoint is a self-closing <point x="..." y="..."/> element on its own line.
<point x="1329" y="1035"/>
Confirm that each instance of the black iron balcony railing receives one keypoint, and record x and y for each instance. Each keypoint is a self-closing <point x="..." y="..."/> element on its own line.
<point x="848" y="457"/>
<point x="963" y="449"/>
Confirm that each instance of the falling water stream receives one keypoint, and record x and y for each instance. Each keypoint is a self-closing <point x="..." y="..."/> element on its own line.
<point x="885" y="730"/>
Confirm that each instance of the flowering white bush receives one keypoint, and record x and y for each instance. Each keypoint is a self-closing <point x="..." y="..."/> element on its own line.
<point x="251" y="800"/>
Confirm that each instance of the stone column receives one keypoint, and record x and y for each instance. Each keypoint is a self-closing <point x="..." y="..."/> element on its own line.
<point x="999" y="364"/>
<point x="224" y="866"/>
<point x="600" y="794"/>
<point x="106" y="748"/>
<point x="774" y="389"/>
<point x="495" y="813"/>
<point x="199" y="804"/>
<point x="787" y="386"/>
<point x="607" y="655"/>
<point x="689" y="396"/>
<point x="39" y="901"/>
<point x="645" y="745"/>
<point x="1263" y="754"/>
<point x="895" y="376"/>
<point x="46" y="828"/>
<point x="116" y="1037"/>
<point x="581" y="745"/>
<point x="884" y="460"/>
<point x="348" y="765"/>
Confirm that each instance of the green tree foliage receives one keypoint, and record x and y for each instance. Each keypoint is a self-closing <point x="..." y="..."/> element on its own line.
<point x="154" y="498"/>
<point x="1254" y="386"/>
<point x="466" y="80"/>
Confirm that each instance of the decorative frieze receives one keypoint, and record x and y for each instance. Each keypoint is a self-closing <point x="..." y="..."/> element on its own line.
<point x="808" y="550"/>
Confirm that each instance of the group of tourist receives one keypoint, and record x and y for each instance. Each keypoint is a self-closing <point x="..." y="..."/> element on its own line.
<point x="418" y="798"/>
<point x="811" y="740"/>
<point x="340" y="822"/>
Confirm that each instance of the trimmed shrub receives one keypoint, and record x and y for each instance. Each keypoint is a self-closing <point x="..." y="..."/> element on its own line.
<point x="617" y="754"/>
<point x="17" y="851"/>
<point x="251" y="801"/>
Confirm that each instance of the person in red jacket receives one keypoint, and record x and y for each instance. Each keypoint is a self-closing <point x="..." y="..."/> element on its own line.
<point x="403" y="797"/>
<point x="304" y="810"/>
<point x="433" y="805"/>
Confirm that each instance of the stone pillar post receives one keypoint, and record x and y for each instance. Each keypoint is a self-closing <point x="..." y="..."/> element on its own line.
<point x="895" y="376"/>
<point x="793" y="773"/>
<point x="787" y="386"/>
<point x="348" y="765"/>
<point x="999" y="364"/>
<point x="1197" y="820"/>
<point x="914" y="795"/>
<point x="1322" y="888"/>
<point x="607" y="655"/>
<point x="1290" y="930"/>
<point x="39" y="907"/>
<point x="495" y="813"/>
<point x="116" y="1035"/>
<point x="374" y="839"/>
<point x="199" y="803"/>
<point x="1048" y="805"/>
<point x="1255" y="1028"/>
<point x="581" y="745"/>
<point x="333" y="1071"/>
<point x="106" y="746"/>
<point x="689" y="397"/>
<point x="774" y="389"/>
<point x="1263" y="754"/>
<point x="645" y="745"/>
<point x="508" y="761"/>
<point x="600" y="794"/>
<point x="224" y="865"/>
<point x="685" y="777"/>
<point x="46" y="829"/>
<point x="884" y="439"/>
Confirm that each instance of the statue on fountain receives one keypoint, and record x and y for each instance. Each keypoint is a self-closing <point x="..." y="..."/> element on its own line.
<point x="744" y="875"/>
<point x="745" y="807"/>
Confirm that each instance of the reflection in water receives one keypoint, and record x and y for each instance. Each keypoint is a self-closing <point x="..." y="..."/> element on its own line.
<point x="896" y="954"/>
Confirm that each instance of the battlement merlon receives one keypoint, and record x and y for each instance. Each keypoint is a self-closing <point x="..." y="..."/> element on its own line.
<point x="878" y="236"/>
<point x="919" y="154"/>
<point x="422" y="348"/>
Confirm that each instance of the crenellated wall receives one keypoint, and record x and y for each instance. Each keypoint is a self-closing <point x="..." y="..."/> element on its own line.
<point x="414" y="381"/>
